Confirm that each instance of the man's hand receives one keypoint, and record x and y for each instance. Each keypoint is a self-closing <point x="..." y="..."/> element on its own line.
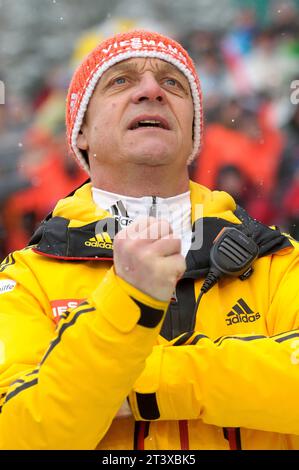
<point x="148" y="257"/>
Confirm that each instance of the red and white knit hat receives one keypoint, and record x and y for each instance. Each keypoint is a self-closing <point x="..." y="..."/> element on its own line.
<point x="116" y="49"/>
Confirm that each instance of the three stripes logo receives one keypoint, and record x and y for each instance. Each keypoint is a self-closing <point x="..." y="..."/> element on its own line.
<point x="107" y="229"/>
<point x="119" y="212"/>
<point x="100" y="240"/>
<point x="241" y="313"/>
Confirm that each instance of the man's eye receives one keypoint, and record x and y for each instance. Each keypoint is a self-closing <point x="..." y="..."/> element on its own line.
<point x="120" y="80"/>
<point x="171" y="82"/>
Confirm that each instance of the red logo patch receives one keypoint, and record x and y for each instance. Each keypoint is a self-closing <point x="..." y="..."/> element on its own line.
<point x="62" y="305"/>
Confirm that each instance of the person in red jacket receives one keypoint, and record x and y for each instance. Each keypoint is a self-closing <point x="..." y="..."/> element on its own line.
<point x="243" y="138"/>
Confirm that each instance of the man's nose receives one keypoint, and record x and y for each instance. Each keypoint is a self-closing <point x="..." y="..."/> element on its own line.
<point x="148" y="89"/>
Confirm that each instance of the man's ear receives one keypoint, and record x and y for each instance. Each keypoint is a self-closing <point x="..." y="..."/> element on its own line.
<point x="82" y="141"/>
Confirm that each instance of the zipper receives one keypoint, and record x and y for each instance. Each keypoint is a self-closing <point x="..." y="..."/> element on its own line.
<point x="233" y="435"/>
<point x="184" y="434"/>
<point x="153" y="208"/>
<point x="141" y="431"/>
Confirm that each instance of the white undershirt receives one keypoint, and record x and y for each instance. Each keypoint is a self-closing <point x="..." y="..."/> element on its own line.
<point x="176" y="210"/>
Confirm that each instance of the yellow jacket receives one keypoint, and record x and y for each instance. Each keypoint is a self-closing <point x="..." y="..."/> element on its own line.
<point x="76" y="340"/>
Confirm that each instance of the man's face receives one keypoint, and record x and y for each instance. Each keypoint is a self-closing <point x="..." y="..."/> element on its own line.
<point x="141" y="112"/>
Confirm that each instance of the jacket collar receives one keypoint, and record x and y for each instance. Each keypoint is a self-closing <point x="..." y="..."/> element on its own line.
<point x="78" y="230"/>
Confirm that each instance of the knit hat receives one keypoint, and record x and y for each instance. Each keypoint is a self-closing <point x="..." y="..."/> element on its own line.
<point x="116" y="49"/>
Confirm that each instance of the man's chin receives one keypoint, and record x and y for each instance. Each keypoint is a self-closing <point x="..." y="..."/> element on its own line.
<point x="152" y="159"/>
<point x="153" y="153"/>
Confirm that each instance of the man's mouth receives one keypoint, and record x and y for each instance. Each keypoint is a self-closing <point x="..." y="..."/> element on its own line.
<point x="149" y="123"/>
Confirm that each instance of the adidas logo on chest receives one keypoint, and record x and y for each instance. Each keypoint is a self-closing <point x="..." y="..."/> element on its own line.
<point x="241" y="313"/>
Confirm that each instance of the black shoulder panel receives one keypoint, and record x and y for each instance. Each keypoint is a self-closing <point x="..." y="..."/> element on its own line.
<point x="205" y="231"/>
<point x="55" y="238"/>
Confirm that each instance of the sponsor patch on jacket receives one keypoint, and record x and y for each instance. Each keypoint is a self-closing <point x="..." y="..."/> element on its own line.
<point x="100" y="240"/>
<point x="241" y="313"/>
<point x="7" y="285"/>
<point x="60" y="306"/>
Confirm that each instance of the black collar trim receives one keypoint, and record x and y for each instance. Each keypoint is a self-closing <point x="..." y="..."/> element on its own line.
<point x="268" y="240"/>
<point x="55" y="239"/>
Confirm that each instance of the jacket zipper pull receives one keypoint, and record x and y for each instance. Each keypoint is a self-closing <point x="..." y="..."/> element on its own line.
<point x="153" y="208"/>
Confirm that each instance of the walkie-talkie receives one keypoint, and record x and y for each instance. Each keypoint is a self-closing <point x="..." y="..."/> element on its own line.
<point x="232" y="254"/>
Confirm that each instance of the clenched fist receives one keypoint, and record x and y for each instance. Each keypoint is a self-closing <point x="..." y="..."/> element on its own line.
<point x="148" y="257"/>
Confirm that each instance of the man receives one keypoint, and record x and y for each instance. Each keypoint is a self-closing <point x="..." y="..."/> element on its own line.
<point x="222" y="374"/>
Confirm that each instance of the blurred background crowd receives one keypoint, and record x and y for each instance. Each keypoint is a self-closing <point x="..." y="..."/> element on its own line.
<point x="247" y="55"/>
